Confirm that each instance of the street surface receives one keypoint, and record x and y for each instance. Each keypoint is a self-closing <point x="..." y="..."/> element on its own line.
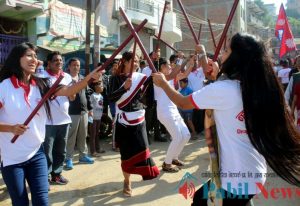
<point x="101" y="183"/>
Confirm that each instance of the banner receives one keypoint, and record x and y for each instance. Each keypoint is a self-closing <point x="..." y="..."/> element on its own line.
<point x="284" y="33"/>
<point x="67" y="21"/>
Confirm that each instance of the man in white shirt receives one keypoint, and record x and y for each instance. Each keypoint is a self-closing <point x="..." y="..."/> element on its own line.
<point x="57" y="128"/>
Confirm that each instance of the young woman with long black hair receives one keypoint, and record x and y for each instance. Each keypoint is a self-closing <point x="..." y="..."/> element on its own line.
<point x="130" y="127"/>
<point x="20" y="92"/>
<point x="252" y="119"/>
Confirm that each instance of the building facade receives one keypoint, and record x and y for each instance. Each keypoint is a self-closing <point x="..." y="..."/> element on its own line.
<point x="16" y="23"/>
<point x="215" y="10"/>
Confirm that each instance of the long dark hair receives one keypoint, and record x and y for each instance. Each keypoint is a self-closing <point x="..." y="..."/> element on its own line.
<point x="126" y="57"/>
<point x="268" y="122"/>
<point x="12" y="67"/>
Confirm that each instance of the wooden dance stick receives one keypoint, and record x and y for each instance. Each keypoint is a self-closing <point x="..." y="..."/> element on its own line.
<point x="54" y="86"/>
<point x="223" y="36"/>
<point x="225" y="42"/>
<point x="199" y="33"/>
<point x="112" y="57"/>
<point x="188" y="22"/>
<point x="161" y="25"/>
<point x="133" y="59"/>
<point x="168" y="45"/>
<point x="212" y="34"/>
<point x="40" y="104"/>
<point x="138" y="40"/>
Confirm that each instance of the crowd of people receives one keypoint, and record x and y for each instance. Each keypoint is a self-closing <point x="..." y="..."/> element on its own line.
<point x="246" y="96"/>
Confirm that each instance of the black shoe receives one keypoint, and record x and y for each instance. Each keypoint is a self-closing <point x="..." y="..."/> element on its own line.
<point x="160" y="139"/>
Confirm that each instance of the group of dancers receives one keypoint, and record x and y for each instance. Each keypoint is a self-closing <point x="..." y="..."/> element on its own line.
<point x="253" y="124"/>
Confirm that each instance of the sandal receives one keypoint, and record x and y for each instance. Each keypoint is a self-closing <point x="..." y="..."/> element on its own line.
<point x="169" y="169"/>
<point x="127" y="191"/>
<point x="178" y="163"/>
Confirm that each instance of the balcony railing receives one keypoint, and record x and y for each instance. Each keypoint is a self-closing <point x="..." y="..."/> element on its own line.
<point x="145" y="7"/>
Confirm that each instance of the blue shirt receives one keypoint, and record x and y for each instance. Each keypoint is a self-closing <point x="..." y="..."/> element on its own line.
<point x="185" y="92"/>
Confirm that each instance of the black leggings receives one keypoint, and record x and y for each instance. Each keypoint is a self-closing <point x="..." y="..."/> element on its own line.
<point x="200" y="200"/>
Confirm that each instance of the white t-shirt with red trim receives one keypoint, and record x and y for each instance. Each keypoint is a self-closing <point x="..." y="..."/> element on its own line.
<point x="238" y="156"/>
<point x="60" y="105"/>
<point x="164" y="105"/>
<point x="15" y="107"/>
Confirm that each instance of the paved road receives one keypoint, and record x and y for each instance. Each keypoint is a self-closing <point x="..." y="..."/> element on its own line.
<point x="101" y="183"/>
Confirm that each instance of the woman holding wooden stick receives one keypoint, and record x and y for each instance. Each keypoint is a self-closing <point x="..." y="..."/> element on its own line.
<point x="253" y="124"/>
<point x="126" y="89"/>
<point x="20" y="93"/>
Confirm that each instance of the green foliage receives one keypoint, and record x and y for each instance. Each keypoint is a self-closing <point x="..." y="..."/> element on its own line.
<point x="266" y="17"/>
<point x="295" y="26"/>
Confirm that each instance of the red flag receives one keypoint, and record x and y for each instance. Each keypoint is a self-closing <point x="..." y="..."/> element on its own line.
<point x="284" y="33"/>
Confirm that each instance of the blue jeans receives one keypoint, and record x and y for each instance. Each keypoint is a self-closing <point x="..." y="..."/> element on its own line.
<point x="34" y="171"/>
<point x="55" y="147"/>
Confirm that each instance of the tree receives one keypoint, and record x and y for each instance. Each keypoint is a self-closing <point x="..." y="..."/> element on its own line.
<point x="295" y="26"/>
<point x="266" y="17"/>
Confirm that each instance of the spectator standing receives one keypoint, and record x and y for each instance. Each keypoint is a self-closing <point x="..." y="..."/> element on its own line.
<point x="25" y="160"/>
<point x="58" y="127"/>
<point x="97" y="104"/>
<point x="80" y="108"/>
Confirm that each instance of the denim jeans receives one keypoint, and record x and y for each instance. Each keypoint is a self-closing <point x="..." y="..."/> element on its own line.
<point x="55" y="147"/>
<point x="34" y="171"/>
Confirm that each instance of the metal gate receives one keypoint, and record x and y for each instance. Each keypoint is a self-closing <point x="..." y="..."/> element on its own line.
<point x="7" y="42"/>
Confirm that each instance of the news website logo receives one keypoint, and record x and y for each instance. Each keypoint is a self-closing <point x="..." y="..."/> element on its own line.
<point x="188" y="183"/>
<point x="186" y="186"/>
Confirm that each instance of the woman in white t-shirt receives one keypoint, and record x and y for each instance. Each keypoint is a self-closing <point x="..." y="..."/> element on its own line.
<point x="253" y="124"/>
<point x="20" y="92"/>
<point x="169" y="116"/>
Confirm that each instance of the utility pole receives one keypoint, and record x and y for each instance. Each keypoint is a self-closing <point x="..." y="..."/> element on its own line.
<point x="88" y="36"/>
<point x="96" y="39"/>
